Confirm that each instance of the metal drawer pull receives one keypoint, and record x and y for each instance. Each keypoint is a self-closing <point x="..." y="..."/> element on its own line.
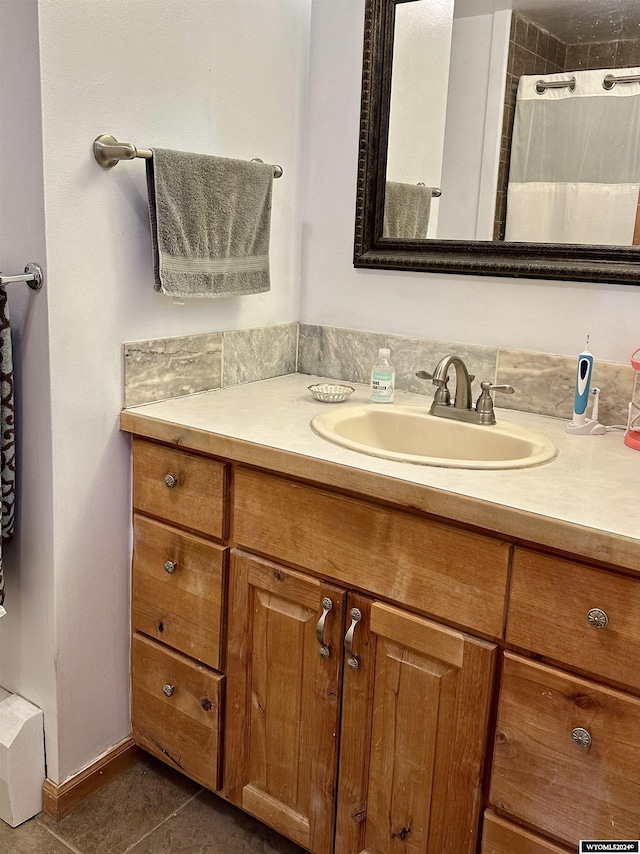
<point x="170" y="566"/>
<point x="581" y="737"/>
<point x="170" y="481"/>
<point x="597" y="618"/>
<point x="323" y="650"/>
<point x="168" y="690"/>
<point x="352" y="659"/>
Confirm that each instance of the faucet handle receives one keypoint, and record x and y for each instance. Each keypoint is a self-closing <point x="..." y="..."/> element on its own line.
<point x="484" y="405"/>
<point x="487" y="387"/>
<point x="425" y="375"/>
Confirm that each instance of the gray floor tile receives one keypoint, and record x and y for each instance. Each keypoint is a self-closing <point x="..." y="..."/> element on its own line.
<point x="209" y="825"/>
<point x="29" y="838"/>
<point x="119" y="815"/>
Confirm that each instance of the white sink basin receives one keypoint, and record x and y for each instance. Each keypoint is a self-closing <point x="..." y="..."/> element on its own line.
<point x="409" y="434"/>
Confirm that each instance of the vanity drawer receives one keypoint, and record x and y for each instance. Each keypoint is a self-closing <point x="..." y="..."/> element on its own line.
<point x="504" y="837"/>
<point x="543" y="776"/>
<point x="176" y="710"/>
<point x="435" y="568"/>
<point x="177" y="589"/>
<point x="182" y="488"/>
<point x="550" y="605"/>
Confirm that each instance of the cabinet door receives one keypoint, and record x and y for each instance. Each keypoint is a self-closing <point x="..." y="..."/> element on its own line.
<point x="414" y="728"/>
<point x="176" y="710"/>
<point x="503" y="837"/>
<point x="567" y="754"/>
<point x="283" y="699"/>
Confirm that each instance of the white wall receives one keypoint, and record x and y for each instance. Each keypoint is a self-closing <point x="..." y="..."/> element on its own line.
<point x="27" y="639"/>
<point x="543" y="316"/>
<point x="421" y="51"/>
<point x="217" y="76"/>
<point x="475" y="105"/>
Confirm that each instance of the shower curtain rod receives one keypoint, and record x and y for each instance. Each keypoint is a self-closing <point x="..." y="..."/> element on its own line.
<point x="33" y="276"/>
<point x="543" y="85"/>
<point x="108" y="151"/>
<point x="610" y="80"/>
<point x="608" y="83"/>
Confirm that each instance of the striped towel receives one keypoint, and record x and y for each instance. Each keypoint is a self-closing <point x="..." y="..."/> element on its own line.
<point x="210" y="224"/>
<point x="7" y="434"/>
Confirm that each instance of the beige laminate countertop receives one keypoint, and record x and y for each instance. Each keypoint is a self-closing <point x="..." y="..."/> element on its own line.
<point x="586" y="501"/>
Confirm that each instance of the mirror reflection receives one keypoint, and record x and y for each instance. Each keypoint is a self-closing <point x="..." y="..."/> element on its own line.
<point x="515" y="120"/>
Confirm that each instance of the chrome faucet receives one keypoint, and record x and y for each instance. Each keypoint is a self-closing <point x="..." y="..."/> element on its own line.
<point x="461" y="409"/>
<point x="440" y="379"/>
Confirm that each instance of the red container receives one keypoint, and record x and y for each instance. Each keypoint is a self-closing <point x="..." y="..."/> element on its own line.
<point x="632" y="437"/>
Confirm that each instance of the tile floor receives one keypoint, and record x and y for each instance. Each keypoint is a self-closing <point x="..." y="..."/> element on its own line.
<point x="150" y="809"/>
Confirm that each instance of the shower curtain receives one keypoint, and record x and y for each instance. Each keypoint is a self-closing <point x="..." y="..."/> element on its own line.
<point x="575" y="161"/>
<point x="7" y="434"/>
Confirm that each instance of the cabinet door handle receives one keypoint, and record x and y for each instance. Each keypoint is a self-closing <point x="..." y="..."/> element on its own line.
<point x="323" y="650"/>
<point x="352" y="658"/>
<point x="168" y="690"/>
<point x="581" y="737"/>
<point x="170" y="481"/>
<point x="597" y="618"/>
<point x="170" y="566"/>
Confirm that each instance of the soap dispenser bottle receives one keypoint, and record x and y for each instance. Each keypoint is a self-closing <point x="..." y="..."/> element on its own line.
<point x="383" y="378"/>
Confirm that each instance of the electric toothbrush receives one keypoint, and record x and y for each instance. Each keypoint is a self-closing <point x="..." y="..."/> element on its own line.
<point x="583" y="384"/>
<point x="580" y="424"/>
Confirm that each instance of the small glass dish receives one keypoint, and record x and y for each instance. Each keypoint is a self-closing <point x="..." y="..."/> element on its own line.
<point x="331" y="392"/>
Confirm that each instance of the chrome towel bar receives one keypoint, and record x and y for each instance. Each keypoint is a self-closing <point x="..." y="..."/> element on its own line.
<point x="436" y="192"/>
<point x="33" y="276"/>
<point x="108" y="151"/>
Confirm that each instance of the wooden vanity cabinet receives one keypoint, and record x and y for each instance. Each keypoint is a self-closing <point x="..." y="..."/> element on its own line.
<point x="503" y="837"/>
<point x="283" y="699"/>
<point x="408" y="700"/>
<point x="177" y="587"/>
<point x="310" y="656"/>
<point x="177" y="710"/>
<point x="415" y="709"/>
<point x="567" y="748"/>
<point x="567" y="756"/>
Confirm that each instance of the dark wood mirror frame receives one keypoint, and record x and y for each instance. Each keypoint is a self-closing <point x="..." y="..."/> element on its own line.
<point x="620" y="265"/>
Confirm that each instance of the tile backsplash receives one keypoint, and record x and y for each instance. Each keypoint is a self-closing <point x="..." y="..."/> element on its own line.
<point x="170" y="367"/>
<point x="544" y="383"/>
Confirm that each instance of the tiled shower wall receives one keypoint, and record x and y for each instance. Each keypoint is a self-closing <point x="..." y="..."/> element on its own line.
<point x="545" y="384"/>
<point x="533" y="50"/>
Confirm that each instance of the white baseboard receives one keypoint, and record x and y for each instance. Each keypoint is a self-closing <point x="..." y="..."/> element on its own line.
<point x="21" y="758"/>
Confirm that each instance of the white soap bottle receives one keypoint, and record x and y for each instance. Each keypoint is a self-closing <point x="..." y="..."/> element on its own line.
<point x="383" y="378"/>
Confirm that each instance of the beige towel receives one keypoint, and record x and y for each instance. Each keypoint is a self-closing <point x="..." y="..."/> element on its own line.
<point x="210" y="223"/>
<point x="406" y="210"/>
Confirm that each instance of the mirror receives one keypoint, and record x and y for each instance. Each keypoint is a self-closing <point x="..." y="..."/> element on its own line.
<point x="482" y="145"/>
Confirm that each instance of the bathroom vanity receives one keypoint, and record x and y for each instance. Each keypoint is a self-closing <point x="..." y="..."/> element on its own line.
<point x="370" y="656"/>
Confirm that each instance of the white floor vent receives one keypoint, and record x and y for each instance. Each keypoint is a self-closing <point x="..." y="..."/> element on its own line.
<point x="21" y="758"/>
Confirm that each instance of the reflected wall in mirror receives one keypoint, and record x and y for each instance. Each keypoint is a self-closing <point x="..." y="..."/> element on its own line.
<point x="501" y="136"/>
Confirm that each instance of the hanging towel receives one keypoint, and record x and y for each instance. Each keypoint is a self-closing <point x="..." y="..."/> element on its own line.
<point x="210" y="222"/>
<point x="7" y="434"/>
<point x="406" y="210"/>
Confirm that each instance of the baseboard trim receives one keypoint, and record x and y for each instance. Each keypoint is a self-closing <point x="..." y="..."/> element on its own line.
<point x="59" y="801"/>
